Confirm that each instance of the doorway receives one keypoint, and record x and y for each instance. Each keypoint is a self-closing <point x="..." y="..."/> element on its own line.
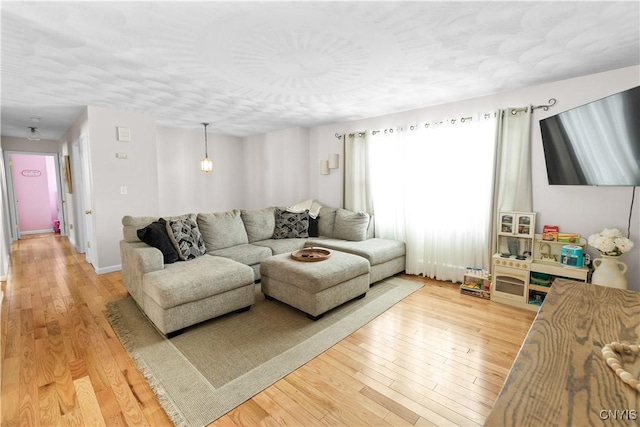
<point x="34" y="193"/>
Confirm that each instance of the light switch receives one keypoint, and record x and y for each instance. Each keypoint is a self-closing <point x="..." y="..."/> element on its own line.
<point x="122" y="155"/>
<point x="123" y="189"/>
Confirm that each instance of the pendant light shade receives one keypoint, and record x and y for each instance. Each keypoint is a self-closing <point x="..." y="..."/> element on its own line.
<point x="206" y="165"/>
<point x="33" y="134"/>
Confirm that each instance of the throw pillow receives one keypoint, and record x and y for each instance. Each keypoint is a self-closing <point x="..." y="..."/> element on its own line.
<point x="351" y="225"/>
<point x="291" y="225"/>
<point x="186" y="238"/>
<point x="155" y="234"/>
<point x="314" y="230"/>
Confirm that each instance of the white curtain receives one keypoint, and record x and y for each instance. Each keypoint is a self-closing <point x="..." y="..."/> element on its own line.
<point x="432" y="189"/>
<point x="357" y="180"/>
<point x="513" y="161"/>
<point x="512" y="180"/>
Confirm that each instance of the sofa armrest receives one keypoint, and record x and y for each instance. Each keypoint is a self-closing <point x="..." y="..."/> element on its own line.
<point x="138" y="259"/>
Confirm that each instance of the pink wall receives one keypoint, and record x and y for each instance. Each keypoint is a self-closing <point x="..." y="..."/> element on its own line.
<point x="53" y="187"/>
<point x="31" y="182"/>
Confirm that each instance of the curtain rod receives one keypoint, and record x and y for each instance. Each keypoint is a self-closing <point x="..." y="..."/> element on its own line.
<point x="545" y="107"/>
<point x="551" y="103"/>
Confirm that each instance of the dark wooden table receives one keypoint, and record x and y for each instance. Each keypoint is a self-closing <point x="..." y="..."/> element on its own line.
<point x="559" y="377"/>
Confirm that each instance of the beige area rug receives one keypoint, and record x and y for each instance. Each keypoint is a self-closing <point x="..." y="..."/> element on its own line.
<point x="215" y="366"/>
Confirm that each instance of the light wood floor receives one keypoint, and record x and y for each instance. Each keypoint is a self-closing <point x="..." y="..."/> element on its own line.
<point x="436" y="358"/>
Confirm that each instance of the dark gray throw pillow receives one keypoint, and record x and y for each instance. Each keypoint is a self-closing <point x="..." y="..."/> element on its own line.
<point x="186" y="238"/>
<point x="155" y="234"/>
<point x="314" y="230"/>
<point x="291" y="225"/>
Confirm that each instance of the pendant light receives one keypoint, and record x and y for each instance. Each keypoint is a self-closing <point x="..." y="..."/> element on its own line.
<point x="206" y="165"/>
<point x="33" y="134"/>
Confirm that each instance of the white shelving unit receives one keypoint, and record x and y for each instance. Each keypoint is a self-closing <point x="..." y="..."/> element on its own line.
<point x="476" y="285"/>
<point x="546" y="261"/>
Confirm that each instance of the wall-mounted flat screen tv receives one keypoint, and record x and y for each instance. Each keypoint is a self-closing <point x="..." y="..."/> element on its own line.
<point x="595" y="144"/>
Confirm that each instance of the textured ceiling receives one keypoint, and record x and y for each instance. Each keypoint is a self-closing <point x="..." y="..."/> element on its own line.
<point x="252" y="67"/>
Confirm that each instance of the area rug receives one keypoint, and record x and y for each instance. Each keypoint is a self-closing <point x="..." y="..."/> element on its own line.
<point x="216" y="365"/>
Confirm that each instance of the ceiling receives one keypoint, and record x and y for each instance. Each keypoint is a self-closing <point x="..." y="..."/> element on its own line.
<point x="253" y="67"/>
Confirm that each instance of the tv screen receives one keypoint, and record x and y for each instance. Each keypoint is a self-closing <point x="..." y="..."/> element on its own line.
<point x="595" y="144"/>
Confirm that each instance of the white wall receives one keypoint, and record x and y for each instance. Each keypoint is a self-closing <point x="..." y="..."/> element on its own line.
<point x="138" y="173"/>
<point x="583" y="210"/>
<point x="182" y="187"/>
<point x="12" y="143"/>
<point x="276" y="168"/>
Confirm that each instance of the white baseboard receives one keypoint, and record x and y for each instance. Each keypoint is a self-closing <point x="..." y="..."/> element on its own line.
<point x="110" y="269"/>
<point x="48" y="230"/>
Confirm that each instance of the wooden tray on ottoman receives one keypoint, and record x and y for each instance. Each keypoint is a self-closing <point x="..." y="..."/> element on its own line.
<point x="311" y="254"/>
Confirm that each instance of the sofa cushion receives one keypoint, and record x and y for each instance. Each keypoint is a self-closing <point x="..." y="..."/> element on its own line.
<point x="247" y="254"/>
<point x="351" y="225"/>
<point x="186" y="238"/>
<point x="376" y="250"/>
<point x="184" y="282"/>
<point x="259" y="223"/>
<point x="131" y="225"/>
<point x="156" y="235"/>
<point x="282" y="246"/>
<point x="222" y="229"/>
<point x="326" y="221"/>
<point x="291" y="225"/>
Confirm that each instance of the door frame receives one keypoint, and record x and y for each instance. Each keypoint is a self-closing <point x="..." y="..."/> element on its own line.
<point x="13" y="208"/>
<point x="84" y="210"/>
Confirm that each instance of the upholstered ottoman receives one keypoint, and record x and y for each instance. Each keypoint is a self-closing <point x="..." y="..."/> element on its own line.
<point x="315" y="287"/>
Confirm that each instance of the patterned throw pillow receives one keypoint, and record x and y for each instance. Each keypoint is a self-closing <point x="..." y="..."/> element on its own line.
<point x="186" y="238"/>
<point x="291" y="225"/>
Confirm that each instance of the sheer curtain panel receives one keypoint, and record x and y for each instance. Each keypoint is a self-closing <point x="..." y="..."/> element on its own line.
<point x="357" y="180"/>
<point x="512" y="177"/>
<point x="513" y="161"/>
<point x="432" y="189"/>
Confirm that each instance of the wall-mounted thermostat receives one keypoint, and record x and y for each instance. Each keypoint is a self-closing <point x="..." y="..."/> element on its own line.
<point x="124" y="134"/>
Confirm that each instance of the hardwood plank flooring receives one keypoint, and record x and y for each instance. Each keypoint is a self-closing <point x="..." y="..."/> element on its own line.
<point x="436" y="358"/>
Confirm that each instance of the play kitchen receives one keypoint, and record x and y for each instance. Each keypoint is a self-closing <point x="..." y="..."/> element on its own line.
<point x="527" y="263"/>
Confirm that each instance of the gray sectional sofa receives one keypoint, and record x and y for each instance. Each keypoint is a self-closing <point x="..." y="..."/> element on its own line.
<point x="180" y="294"/>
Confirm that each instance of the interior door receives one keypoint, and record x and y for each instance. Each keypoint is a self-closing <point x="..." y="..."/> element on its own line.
<point x="13" y="203"/>
<point x="62" y="200"/>
<point x="87" y="199"/>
